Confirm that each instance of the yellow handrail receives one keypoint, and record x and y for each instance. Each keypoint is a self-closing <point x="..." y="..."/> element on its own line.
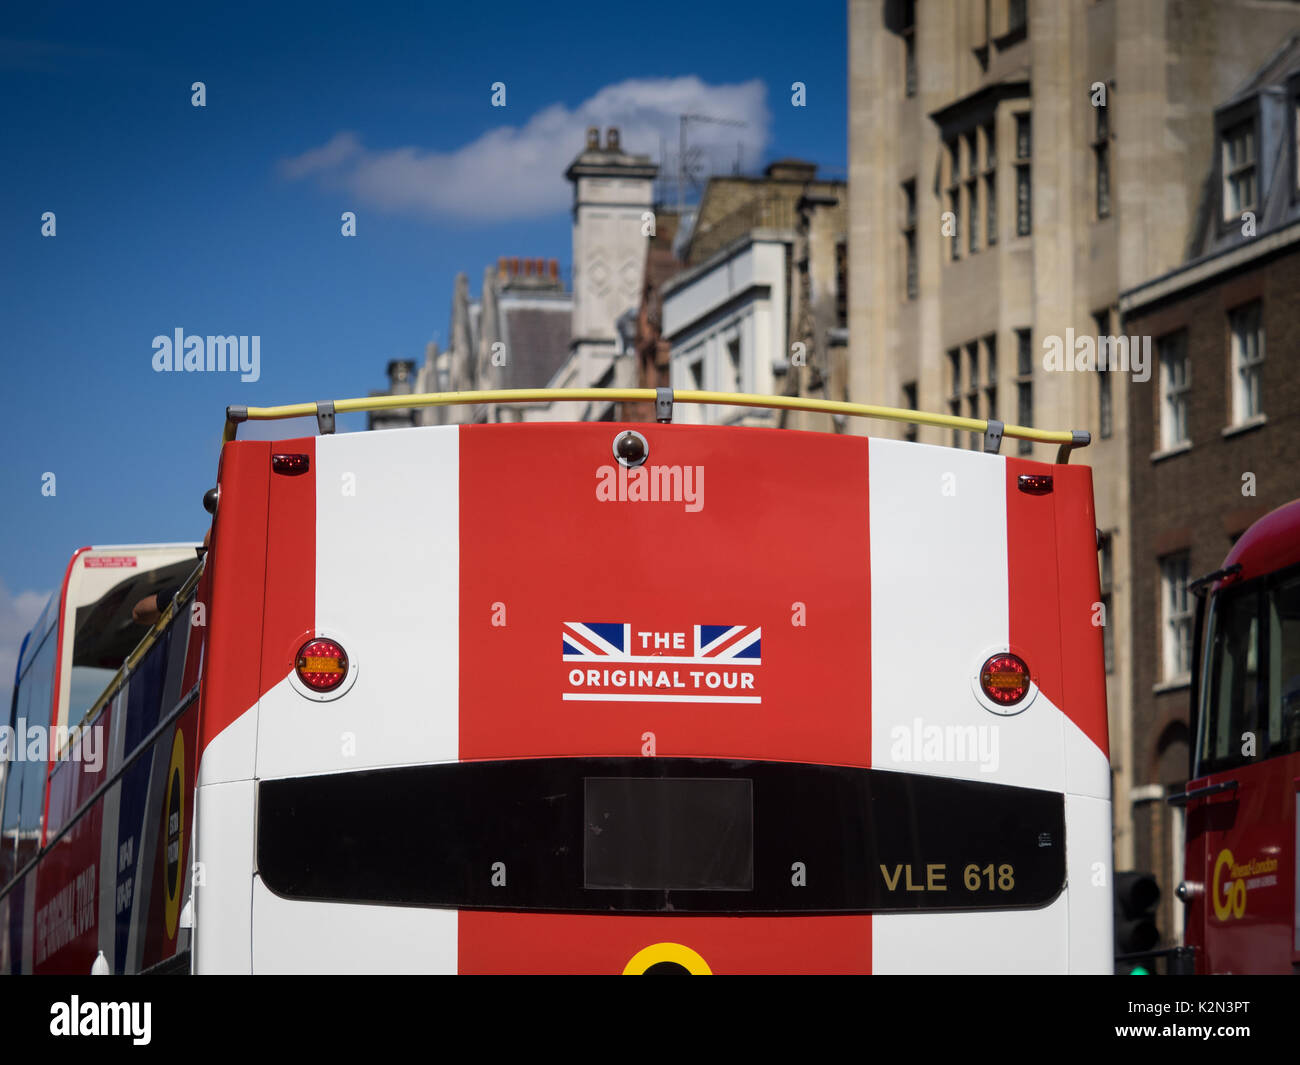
<point x="234" y="415"/>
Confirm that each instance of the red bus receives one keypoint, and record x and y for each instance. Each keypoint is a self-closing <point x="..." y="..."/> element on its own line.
<point x="575" y="698"/>
<point x="1241" y="876"/>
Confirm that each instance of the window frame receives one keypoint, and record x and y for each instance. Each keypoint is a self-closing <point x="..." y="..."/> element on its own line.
<point x="1239" y="365"/>
<point x="1105" y="396"/>
<point x="911" y="267"/>
<point x="1183" y="621"/>
<point x="1025" y="385"/>
<point x="1101" y="158"/>
<point x="1024" y="154"/>
<point x="1174" y="397"/>
<point x="1245" y="120"/>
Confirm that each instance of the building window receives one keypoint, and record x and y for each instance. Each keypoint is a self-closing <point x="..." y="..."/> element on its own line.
<point x="909" y="235"/>
<point x="1239" y="169"/>
<point x="1101" y="159"/>
<point x="1174" y="386"/>
<point x="973" y="391"/>
<point x="696" y="369"/>
<point x="954" y="199"/>
<point x="842" y="284"/>
<point x="990" y="185"/>
<point x="990" y="376"/>
<point x="1176" y="617"/>
<point x="1024" y="386"/>
<point x="733" y="363"/>
<point x="909" y="401"/>
<point x="972" y="192"/>
<point x="1105" y="564"/>
<point x="954" y="390"/>
<point x="1024" y="189"/>
<point x="1105" y="406"/>
<point x="1247" y="362"/>
<point x="1017" y="15"/>
<point x="908" y="31"/>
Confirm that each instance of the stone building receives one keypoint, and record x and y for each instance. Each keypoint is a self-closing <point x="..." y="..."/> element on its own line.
<point x="1015" y="165"/>
<point x="652" y="349"/>
<point x="762" y="261"/>
<point x="515" y="335"/>
<point x="1214" y="436"/>
<point x="526" y="331"/>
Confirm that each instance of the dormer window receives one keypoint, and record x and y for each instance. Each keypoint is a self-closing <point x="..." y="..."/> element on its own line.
<point x="1240" y="188"/>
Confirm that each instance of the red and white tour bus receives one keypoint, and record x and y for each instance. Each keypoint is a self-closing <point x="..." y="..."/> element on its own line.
<point x="582" y="698"/>
<point x="1241" y="876"/>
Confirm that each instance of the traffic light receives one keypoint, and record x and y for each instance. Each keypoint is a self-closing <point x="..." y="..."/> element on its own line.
<point x="1136" y="896"/>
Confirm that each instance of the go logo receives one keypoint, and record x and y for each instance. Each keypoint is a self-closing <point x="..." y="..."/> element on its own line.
<point x="1230" y="899"/>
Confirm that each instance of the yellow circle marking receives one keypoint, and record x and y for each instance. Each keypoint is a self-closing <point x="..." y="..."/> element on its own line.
<point x="173" y="898"/>
<point x="671" y="952"/>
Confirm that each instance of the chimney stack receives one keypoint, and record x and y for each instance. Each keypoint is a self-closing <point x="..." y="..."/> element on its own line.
<point x="555" y="269"/>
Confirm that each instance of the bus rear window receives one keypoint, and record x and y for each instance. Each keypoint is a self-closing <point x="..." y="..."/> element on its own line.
<point x="669" y="834"/>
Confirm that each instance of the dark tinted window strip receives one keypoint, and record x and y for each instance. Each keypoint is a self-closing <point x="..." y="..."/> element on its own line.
<point x="526" y="835"/>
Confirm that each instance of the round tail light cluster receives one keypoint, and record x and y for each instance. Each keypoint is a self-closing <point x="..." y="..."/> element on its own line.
<point x="1004" y="678"/>
<point x="321" y="665"/>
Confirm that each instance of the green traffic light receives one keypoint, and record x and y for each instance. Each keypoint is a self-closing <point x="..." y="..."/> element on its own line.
<point x="1137" y="970"/>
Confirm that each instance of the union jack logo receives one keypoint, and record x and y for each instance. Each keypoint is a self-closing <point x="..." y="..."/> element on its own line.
<point x="726" y="642"/>
<point x="610" y="641"/>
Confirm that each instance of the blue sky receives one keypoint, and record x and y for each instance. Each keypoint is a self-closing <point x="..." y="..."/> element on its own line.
<point x="225" y="219"/>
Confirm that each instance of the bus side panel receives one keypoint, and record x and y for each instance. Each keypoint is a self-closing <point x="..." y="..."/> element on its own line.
<point x="66" y="918"/>
<point x="1084" y="665"/>
<point x="1248" y="839"/>
<point x="155" y="937"/>
<point x="227" y="726"/>
<point x="237" y="563"/>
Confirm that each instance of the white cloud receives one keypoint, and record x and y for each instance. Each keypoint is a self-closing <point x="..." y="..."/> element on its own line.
<point x="518" y="171"/>
<point x="17" y="613"/>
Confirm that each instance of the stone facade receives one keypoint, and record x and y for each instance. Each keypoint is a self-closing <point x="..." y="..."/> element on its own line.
<point x="763" y="271"/>
<point x="994" y="204"/>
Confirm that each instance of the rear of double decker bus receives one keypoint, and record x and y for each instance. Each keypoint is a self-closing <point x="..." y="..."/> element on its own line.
<point x="658" y="698"/>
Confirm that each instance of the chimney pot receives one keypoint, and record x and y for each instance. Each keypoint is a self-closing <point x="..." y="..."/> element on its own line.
<point x="555" y="269"/>
<point x="593" y="137"/>
<point x="514" y="266"/>
<point x="501" y="266"/>
<point x="528" y="267"/>
<point x="611" y="139"/>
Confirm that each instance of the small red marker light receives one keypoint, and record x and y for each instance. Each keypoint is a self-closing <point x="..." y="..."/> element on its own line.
<point x="290" y="465"/>
<point x="1004" y="678"/>
<point x="321" y="665"/>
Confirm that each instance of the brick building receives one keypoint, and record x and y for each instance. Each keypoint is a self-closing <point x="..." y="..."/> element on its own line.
<point x="1214" y="434"/>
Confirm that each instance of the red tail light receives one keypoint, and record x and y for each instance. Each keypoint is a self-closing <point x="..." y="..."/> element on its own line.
<point x="322" y="665"/>
<point x="1005" y="679"/>
<point x="291" y="465"/>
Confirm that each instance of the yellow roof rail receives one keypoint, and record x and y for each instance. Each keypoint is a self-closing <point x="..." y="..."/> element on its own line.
<point x="663" y="398"/>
